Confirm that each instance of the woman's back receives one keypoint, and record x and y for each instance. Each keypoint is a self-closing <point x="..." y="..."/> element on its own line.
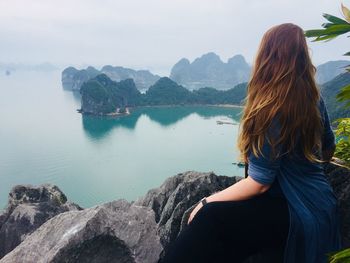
<point x="314" y="217"/>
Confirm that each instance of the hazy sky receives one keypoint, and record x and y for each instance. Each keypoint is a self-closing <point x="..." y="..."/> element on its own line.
<point x="152" y="34"/>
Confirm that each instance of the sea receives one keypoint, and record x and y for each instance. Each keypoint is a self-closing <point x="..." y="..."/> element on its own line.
<point x="43" y="139"/>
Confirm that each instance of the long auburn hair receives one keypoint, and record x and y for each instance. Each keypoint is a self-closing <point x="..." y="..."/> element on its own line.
<point x="282" y="85"/>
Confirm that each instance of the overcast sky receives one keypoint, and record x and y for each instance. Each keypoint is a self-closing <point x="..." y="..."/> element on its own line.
<point x="152" y="34"/>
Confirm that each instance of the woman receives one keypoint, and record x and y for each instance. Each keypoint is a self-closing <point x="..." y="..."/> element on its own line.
<point x="284" y="208"/>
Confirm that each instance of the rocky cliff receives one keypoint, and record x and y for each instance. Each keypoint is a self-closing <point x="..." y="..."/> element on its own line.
<point x="73" y="79"/>
<point x="101" y="95"/>
<point x="121" y="231"/>
<point x="210" y="71"/>
<point x="329" y="70"/>
<point x="28" y="208"/>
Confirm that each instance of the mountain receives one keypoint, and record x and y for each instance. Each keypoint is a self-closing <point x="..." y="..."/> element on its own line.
<point x="329" y="70"/>
<point x="210" y="71"/>
<point x="329" y="91"/>
<point x="166" y="92"/>
<point x="103" y="96"/>
<point x="142" y="78"/>
<point x="73" y="79"/>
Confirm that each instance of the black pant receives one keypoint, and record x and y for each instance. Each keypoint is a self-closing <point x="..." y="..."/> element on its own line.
<point x="231" y="231"/>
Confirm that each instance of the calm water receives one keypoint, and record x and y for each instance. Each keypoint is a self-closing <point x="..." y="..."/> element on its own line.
<point x="93" y="160"/>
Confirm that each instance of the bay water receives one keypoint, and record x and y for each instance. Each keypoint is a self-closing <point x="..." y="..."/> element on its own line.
<point x="43" y="139"/>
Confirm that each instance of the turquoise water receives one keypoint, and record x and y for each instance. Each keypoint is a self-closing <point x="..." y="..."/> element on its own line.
<point x="97" y="159"/>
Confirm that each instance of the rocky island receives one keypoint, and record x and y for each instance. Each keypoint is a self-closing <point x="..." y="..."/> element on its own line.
<point x="73" y="79"/>
<point x="103" y="96"/>
<point x="206" y="81"/>
<point x="210" y="71"/>
<point x="41" y="225"/>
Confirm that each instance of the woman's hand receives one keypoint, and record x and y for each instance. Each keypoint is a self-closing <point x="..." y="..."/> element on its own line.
<point x="194" y="211"/>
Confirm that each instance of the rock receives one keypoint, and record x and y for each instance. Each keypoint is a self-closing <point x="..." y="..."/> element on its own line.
<point x="113" y="232"/>
<point x="28" y="208"/>
<point x="67" y="78"/>
<point x="73" y="79"/>
<point x="329" y="70"/>
<point x="177" y="195"/>
<point x="142" y="230"/>
<point x="210" y="71"/>
<point x="143" y="78"/>
<point x="329" y="90"/>
<point x="339" y="178"/>
<point x="174" y="200"/>
<point x="103" y="96"/>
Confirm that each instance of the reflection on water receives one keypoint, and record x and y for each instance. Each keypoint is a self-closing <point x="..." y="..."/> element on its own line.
<point x="97" y="127"/>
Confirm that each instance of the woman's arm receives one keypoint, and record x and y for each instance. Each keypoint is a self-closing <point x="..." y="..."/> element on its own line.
<point x="262" y="172"/>
<point x="243" y="189"/>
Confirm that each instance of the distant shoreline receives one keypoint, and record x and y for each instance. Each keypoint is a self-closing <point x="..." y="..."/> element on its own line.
<point x="228" y="105"/>
<point x="130" y="109"/>
<point x="187" y="105"/>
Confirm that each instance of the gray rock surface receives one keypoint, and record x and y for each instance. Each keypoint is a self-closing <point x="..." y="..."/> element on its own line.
<point x="210" y="71"/>
<point x="73" y="79"/>
<point x="176" y="195"/>
<point x="339" y="178"/>
<point x="143" y="78"/>
<point x="28" y="208"/>
<point x="142" y="230"/>
<point x="329" y="70"/>
<point x="113" y="232"/>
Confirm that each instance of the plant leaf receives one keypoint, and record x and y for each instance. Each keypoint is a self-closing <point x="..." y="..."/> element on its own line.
<point x="346" y="12"/>
<point x="314" y="32"/>
<point x="340" y="256"/>
<point x="331" y="30"/>
<point x="325" y="25"/>
<point x="326" y="38"/>
<point x="337" y="29"/>
<point x="334" y="19"/>
<point x="344" y="94"/>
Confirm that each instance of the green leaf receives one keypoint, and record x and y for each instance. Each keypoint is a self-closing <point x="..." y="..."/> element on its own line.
<point x="334" y="19"/>
<point x="342" y="256"/>
<point x="326" y="38"/>
<point x="344" y="94"/>
<point x="325" y="25"/>
<point x="337" y="29"/>
<point x="333" y="30"/>
<point x="314" y="32"/>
